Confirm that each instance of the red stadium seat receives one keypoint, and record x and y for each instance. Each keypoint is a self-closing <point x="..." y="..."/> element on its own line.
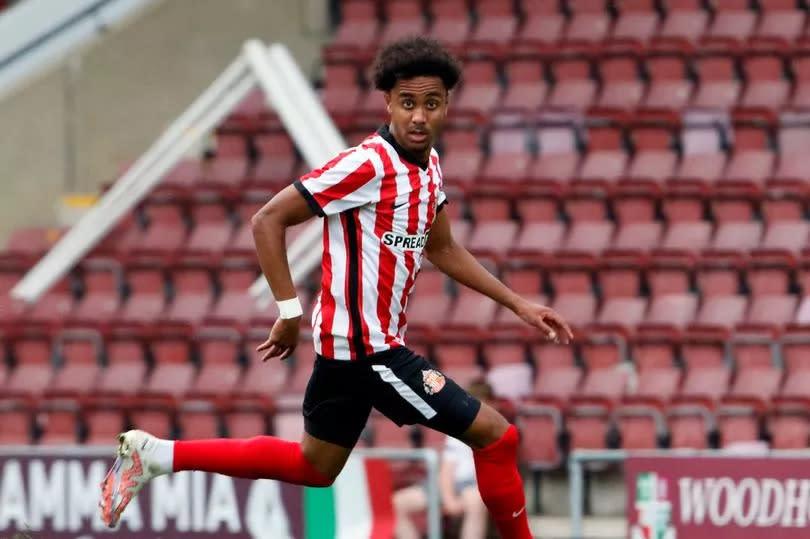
<point x="540" y="237"/>
<point x="472" y="309"/>
<point x="801" y="71"/>
<point x="737" y="236"/>
<point x="55" y="306"/>
<point x="578" y="309"/>
<point x="104" y="426"/>
<point x="220" y="372"/>
<point x="772" y="309"/>
<point x="590" y="21"/>
<point x="689" y="427"/>
<point x="58" y="422"/>
<point x="157" y="421"/>
<point x="101" y="300"/>
<point x="509" y="157"/>
<point x="540" y="426"/>
<point x="277" y="161"/>
<point x="235" y="302"/>
<point x="146" y="301"/>
<point x="766" y="82"/>
<point x="574" y="88"/>
<point x="126" y="368"/>
<point x="626" y="312"/>
<point x="288" y="425"/>
<point x="789" y="431"/>
<point x="16" y="423"/>
<point x="263" y="378"/>
<point x="722" y="311"/>
<point x="621" y="86"/>
<point x="193" y="298"/>
<point x="643" y="235"/>
<point x="669" y="84"/>
<point x="544" y="23"/>
<point x="79" y="355"/>
<point x="405" y="18"/>
<point x="781" y="19"/>
<point x="480" y="91"/>
<point x="211" y="231"/>
<point x="197" y="422"/>
<point x="173" y="373"/>
<point x="451" y="24"/>
<point x="589" y="237"/>
<point x="638" y="21"/>
<point x="687" y="235"/>
<point x="496" y="23"/>
<point x="527" y="89"/>
<point x="733" y="20"/>
<point x="558" y="158"/>
<point x="358" y="27"/>
<point x="685" y="20"/>
<point x="461" y="156"/>
<point x="675" y="310"/>
<point x="707" y="382"/>
<point x="33" y="372"/>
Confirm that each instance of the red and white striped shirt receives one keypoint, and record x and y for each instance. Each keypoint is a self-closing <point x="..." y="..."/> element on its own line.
<point x="378" y="207"/>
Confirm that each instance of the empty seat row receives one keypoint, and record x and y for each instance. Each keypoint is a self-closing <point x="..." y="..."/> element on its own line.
<point x="539" y="22"/>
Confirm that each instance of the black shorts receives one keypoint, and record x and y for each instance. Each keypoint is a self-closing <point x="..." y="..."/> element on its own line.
<point x="402" y="385"/>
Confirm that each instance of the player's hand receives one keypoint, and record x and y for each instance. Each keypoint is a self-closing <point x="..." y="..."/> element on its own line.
<point x="283" y="339"/>
<point x="547" y="320"/>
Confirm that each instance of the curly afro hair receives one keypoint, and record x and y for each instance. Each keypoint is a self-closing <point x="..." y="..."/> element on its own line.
<point x="414" y="56"/>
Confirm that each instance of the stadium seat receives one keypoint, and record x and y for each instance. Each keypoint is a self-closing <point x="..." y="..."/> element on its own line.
<point x="16" y="423"/>
<point x="589" y="22"/>
<point x="540" y="426"/>
<point x="493" y="237"/>
<point x="527" y="89"/>
<point x="766" y="84"/>
<point x="687" y="236"/>
<point x="193" y="297"/>
<point x="789" y="431"/>
<point x="54" y="307"/>
<point x="480" y="91"/>
<point x="781" y="19"/>
<point x="623" y="311"/>
<point x="405" y="18"/>
<point x="589" y="237"/>
<point x="33" y="372"/>
<point x="234" y="306"/>
<point x="173" y="373"/>
<point x="537" y="237"/>
<point x="638" y="21"/>
<point x="197" y="421"/>
<point x="573" y="88"/>
<point x="544" y="24"/>
<point x="558" y="158"/>
<point x="58" y="422"/>
<point x="722" y="310"/>
<point x="220" y="371"/>
<point x="689" y="427"/>
<point x="245" y="423"/>
<point x="165" y="234"/>
<point x="125" y="369"/>
<point x="211" y="233"/>
<point x="288" y="425"/>
<point x="643" y="235"/>
<point x="156" y="420"/>
<point x="276" y="163"/>
<point x="358" y="27"/>
<point x="103" y="426"/>
<point x="737" y="236"/>
<point x="472" y="309"/>
<point x="79" y="355"/>
<point x="772" y="309"/>
<point x="733" y="20"/>
<point x="654" y="159"/>
<point x="621" y="86"/>
<point x="686" y="20"/>
<point x="461" y="156"/>
<point x="606" y="159"/>
<point x="263" y="378"/>
<point x="509" y="157"/>
<point x="102" y="283"/>
<point x="669" y="85"/>
<point x="386" y="433"/>
<point x="451" y="23"/>
<point x="579" y="310"/>
<point x="496" y="23"/>
<point x="676" y="310"/>
<point x="801" y="71"/>
<point x="146" y="297"/>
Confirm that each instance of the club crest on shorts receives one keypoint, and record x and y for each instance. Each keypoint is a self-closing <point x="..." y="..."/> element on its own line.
<point x="433" y="381"/>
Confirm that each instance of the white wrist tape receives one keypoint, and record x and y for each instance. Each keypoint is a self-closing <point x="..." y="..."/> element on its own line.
<point x="289" y="308"/>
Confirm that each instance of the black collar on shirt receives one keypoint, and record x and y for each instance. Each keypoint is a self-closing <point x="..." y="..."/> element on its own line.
<point x="385" y="133"/>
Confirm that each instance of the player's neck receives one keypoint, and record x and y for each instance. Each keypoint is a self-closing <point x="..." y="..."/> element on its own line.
<point x="418" y="159"/>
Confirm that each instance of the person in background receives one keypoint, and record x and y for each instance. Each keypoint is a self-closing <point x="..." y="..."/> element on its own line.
<point x="457" y="487"/>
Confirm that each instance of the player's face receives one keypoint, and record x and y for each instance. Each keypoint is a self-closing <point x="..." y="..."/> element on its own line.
<point x="417" y="107"/>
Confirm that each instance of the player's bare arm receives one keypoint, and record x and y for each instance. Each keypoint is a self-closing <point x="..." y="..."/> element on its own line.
<point x="288" y="208"/>
<point x="457" y="262"/>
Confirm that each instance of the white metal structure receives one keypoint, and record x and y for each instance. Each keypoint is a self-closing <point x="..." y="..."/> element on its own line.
<point x="287" y="91"/>
<point x="35" y="34"/>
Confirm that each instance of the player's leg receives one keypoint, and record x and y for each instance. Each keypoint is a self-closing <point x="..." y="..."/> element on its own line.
<point x="334" y="417"/>
<point x="495" y="442"/>
<point x="409" y="389"/>
<point x="406" y="501"/>
<point x="474" y="523"/>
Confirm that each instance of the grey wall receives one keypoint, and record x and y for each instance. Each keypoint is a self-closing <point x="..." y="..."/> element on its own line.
<point x="121" y="92"/>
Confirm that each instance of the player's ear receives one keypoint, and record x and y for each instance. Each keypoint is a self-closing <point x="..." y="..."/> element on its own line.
<point x="387" y="96"/>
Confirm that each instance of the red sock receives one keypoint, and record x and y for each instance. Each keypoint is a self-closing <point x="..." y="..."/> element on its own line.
<point x="501" y="487"/>
<point x="261" y="457"/>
